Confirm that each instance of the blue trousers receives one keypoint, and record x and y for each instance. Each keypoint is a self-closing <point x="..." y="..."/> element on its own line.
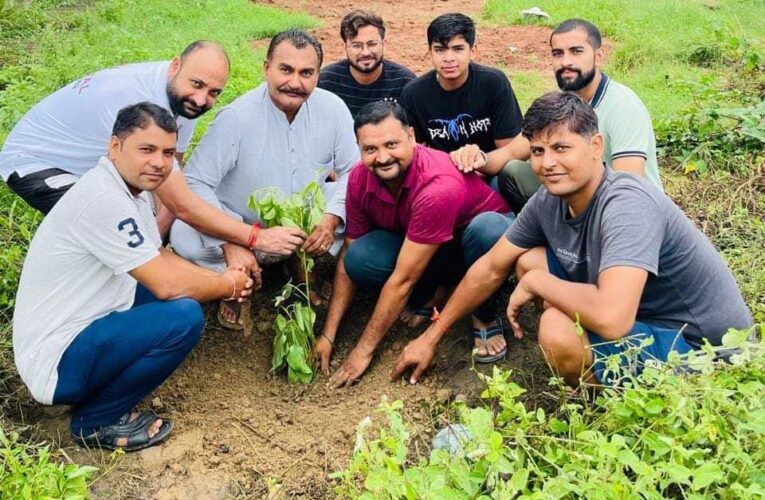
<point x="371" y="259"/>
<point x="665" y="340"/>
<point x="121" y="358"/>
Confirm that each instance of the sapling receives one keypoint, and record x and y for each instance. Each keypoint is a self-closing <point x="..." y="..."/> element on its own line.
<point x="293" y="326"/>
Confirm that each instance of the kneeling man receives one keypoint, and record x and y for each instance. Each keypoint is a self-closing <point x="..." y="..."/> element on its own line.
<point x="104" y="314"/>
<point x="606" y="248"/>
<point x="413" y="223"/>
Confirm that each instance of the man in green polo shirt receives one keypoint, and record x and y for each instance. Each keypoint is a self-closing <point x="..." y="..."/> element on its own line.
<point x="629" y="143"/>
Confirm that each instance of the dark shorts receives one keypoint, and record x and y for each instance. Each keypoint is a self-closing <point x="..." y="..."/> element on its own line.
<point x="42" y="189"/>
<point x="643" y="345"/>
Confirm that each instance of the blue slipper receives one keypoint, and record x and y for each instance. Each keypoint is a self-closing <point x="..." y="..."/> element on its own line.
<point x="485" y="334"/>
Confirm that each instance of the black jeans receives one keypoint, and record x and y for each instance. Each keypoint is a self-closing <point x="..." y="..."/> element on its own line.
<point x="36" y="191"/>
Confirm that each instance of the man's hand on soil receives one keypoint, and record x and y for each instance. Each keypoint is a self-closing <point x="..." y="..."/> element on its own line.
<point x="418" y="353"/>
<point x="520" y="296"/>
<point x="280" y="240"/>
<point x="239" y="256"/>
<point x="322" y="350"/>
<point x="353" y="368"/>
<point x="322" y="236"/>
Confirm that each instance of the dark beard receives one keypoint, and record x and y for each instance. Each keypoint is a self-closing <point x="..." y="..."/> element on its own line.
<point x="365" y="70"/>
<point x="578" y="83"/>
<point x="178" y="108"/>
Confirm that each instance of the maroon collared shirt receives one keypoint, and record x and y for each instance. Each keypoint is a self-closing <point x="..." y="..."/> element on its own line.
<point x="435" y="200"/>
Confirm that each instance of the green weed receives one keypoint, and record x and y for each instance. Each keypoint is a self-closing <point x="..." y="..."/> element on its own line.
<point x="663" y="433"/>
<point x="28" y="472"/>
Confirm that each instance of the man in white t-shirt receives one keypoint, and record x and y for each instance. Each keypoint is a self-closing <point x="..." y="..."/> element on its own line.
<point x="65" y="134"/>
<point x="103" y="313"/>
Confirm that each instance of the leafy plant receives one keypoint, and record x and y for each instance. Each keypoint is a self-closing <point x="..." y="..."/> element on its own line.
<point x="713" y="132"/>
<point x="28" y="473"/>
<point x="293" y="326"/>
<point x="668" y="432"/>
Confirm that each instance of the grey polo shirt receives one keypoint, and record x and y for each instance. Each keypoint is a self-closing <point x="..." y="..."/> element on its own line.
<point x="251" y="146"/>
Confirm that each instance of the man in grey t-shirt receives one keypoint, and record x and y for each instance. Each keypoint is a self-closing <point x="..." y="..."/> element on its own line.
<point x="604" y="247"/>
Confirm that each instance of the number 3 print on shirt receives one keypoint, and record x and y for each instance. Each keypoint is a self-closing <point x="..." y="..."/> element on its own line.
<point x="134" y="232"/>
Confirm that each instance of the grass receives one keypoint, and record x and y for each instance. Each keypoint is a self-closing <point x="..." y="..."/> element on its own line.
<point x="657" y="46"/>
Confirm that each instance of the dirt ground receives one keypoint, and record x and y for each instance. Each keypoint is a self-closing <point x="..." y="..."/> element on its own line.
<point x="241" y="431"/>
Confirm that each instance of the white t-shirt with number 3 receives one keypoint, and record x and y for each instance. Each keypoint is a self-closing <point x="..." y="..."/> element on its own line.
<point x="76" y="271"/>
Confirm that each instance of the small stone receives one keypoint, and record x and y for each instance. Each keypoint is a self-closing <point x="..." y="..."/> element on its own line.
<point x="156" y="403"/>
<point x="214" y="460"/>
<point x="217" y="376"/>
<point x="460" y="398"/>
<point x="535" y="12"/>
<point x="223" y="448"/>
<point x="443" y="395"/>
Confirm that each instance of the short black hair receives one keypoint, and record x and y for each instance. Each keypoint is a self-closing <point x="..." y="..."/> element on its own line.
<point x="560" y="108"/>
<point x="357" y="19"/>
<point x="375" y="112"/>
<point x="204" y="44"/>
<point x="593" y="34"/>
<point x="447" y="26"/>
<point x="299" y="39"/>
<point x="142" y="115"/>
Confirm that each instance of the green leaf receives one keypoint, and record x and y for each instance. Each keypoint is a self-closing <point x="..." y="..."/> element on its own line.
<point x="705" y="475"/>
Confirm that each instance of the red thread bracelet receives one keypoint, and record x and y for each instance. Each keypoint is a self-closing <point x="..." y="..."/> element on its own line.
<point x="253" y="235"/>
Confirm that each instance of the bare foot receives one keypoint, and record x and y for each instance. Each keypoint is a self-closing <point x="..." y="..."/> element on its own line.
<point x="493" y="345"/>
<point x="228" y="314"/>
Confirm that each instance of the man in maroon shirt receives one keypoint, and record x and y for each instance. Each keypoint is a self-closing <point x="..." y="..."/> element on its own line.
<point x="413" y="223"/>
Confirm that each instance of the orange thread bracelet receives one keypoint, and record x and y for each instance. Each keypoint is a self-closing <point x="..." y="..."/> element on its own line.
<point x="253" y="236"/>
<point x="435" y="319"/>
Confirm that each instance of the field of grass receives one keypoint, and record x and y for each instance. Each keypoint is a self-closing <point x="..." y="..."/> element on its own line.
<point x="697" y="64"/>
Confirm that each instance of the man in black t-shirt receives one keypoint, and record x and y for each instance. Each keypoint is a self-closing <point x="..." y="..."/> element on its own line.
<point x="364" y="76"/>
<point x="460" y="102"/>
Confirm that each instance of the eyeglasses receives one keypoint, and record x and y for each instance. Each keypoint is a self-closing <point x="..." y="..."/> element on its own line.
<point x="371" y="46"/>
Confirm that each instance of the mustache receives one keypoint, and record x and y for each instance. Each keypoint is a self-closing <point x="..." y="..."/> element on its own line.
<point x="383" y="165"/>
<point x="291" y="90"/>
<point x="568" y="68"/>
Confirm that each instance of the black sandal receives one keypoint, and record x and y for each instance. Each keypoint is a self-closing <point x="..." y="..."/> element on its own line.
<point x="136" y="433"/>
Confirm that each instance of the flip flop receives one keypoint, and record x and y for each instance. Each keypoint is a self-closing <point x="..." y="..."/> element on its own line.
<point x="136" y="433"/>
<point x="485" y="334"/>
<point x="236" y="326"/>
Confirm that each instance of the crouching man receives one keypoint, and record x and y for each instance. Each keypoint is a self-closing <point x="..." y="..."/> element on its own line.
<point x="413" y="223"/>
<point x="607" y="248"/>
<point x="104" y="314"/>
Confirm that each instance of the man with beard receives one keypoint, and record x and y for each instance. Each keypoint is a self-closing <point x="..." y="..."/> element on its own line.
<point x="460" y="102"/>
<point x="629" y="143"/>
<point x="283" y="134"/>
<point x="65" y="134"/>
<point x="414" y="223"/>
<point x="364" y="76"/>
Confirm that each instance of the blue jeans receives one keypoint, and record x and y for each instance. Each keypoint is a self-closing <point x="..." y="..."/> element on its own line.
<point x="665" y="340"/>
<point x="371" y="259"/>
<point x="121" y="358"/>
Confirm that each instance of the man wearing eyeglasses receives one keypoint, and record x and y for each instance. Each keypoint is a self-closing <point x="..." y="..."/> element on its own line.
<point x="364" y="76"/>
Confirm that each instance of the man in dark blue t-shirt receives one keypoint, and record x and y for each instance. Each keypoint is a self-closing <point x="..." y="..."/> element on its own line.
<point x="460" y="102"/>
<point x="365" y="76"/>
